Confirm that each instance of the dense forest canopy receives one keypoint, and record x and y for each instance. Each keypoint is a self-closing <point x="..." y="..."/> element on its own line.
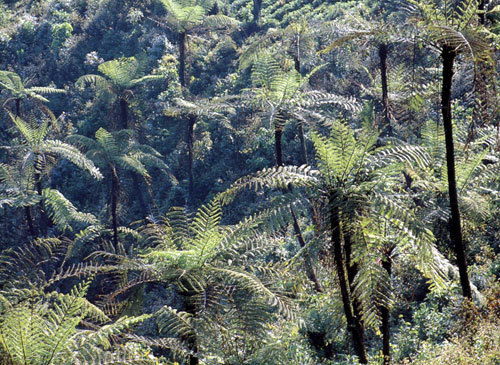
<point x="249" y="182"/>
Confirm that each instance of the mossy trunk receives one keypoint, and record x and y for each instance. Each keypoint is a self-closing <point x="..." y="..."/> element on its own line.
<point x="448" y="55"/>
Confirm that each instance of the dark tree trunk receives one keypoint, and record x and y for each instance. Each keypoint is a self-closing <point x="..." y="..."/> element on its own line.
<point x="386" y="314"/>
<point x="352" y="271"/>
<point x="481" y="8"/>
<point x="182" y="58"/>
<point x="123" y="114"/>
<point x="192" y="341"/>
<point x="190" y="143"/>
<point x="303" y="146"/>
<point x="44" y="220"/>
<point x="448" y="54"/>
<point x="307" y="258"/>
<point x="29" y="220"/>
<point x="278" y="132"/>
<point x="382" y="52"/>
<point x="340" y="266"/>
<point x="257" y="7"/>
<point x="18" y="108"/>
<point x="296" y="60"/>
<point x="115" y="192"/>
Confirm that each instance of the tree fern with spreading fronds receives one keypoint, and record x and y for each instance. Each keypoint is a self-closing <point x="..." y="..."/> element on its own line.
<point x="283" y="95"/>
<point x="454" y="29"/>
<point x="184" y="16"/>
<point x="49" y="328"/>
<point x="228" y="292"/>
<point x="358" y="183"/>
<point x="12" y="83"/>
<point x="35" y="154"/>
<point x="121" y="76"/>
<point x="115" y="152"/>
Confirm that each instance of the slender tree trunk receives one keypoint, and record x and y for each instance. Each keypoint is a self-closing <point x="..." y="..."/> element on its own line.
<point x="296" y="61"/>
<point x="29" y="220"/>
<point x="18" y="108"/>
<point x="352" y="271"/>
<point x="340" y="266"/>
<point x="278" y="133"/>
<point x="115" y="192"/>
<point x="44" y="220"/>
<point x="481" y="8"/>
<point x="303" y="146"/>
<point x="382" y="52"/>
<point x="307" y="258"/>
<point x="190" y="144"/>
<point x="182" y="58"/>
<point x="191" y="341"/>
<point x="448" y="55"/>
<point x="123" y="114"/>
<point x="386" y="314"/>
<point x="257" y="7"/>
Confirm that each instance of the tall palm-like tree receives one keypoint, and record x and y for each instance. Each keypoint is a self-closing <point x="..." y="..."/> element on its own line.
<point x="192" y="109"/>
<point x="354" y="179"/>
<point x="453" y="29"/>
<point x="22" y="183"/>
<point x="119" y="78"/>
<point x="185" y="16"/>
<point x="115" y="152"/>
<point x="12" y="83"/>
<point x="298" y="40"/>
<point x="283" y="95"/>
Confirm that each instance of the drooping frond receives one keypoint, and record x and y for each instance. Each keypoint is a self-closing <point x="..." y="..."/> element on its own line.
<point x="63" y="212"/>
<point x="272" y="178"/>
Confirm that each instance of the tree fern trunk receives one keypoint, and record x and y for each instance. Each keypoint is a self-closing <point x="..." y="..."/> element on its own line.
<point x="303" y="146"/>
<point x="307" y="258"/>
<point x="18" y="107"/>
<point x="278" y="133"/>
<point x="182" y="58"/>
<point x="190" y="145"/>
<point x="123" y="114"/>
<point x="386" y="314"/>
<point x="29" y="221"/>
<point x="115" y="192"/>
<point x="382" y="52"/>
<point x="44" y="220"/>
<point x="481" y="8"/>
<point x="448" y="55"/>
<point x="340" y="266"/>
<point x="257" y="7"/>
<point x="352" y="271"/>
